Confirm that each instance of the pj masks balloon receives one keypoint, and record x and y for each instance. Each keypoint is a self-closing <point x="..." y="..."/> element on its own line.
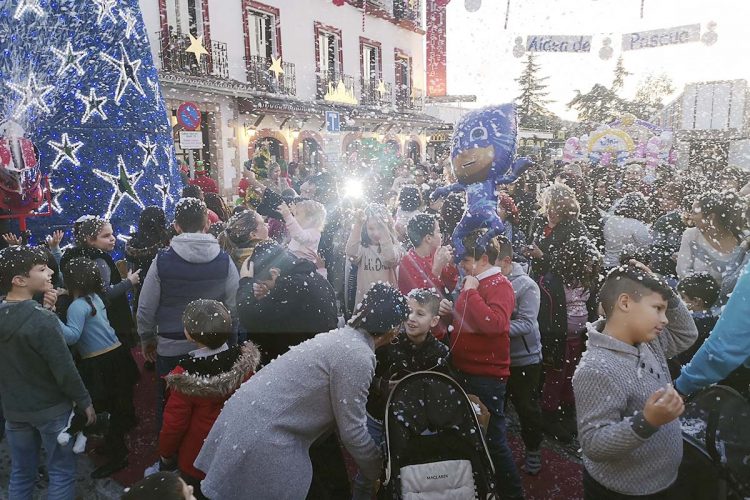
<point x="20" y="177"/>
<point x="483" y="147"/>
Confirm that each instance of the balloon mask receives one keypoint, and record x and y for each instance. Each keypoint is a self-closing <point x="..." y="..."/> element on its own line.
<point x="483" y="147"/>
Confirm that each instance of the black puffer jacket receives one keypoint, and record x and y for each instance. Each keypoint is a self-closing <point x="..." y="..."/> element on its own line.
<point x="301" y="305"/>
<point x="399" y="359"/>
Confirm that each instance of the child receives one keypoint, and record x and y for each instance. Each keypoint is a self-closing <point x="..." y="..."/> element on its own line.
<point x="95" y="240"/>
<point x="106" y="367"/>
<point x="160" y="486"/>
<point x="428" y="264"/>
<point x="627" y="409"/>
<point x="480" y="348"/>
<point x="374" y="248"/>
<point x="38" y="380"/>
<point x="402" y="177"/>
<point x="525" y="355"/>
<point x="193" y="267"/>
<point x="200" y="385"/>
<point x="699" y="291"/>
<point x="415" y="349"/>
<point x="409" y="203"/>
<point x="305" y="226"/>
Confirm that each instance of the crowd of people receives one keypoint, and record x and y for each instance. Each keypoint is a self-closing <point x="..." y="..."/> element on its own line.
<point x="279" y="327"/>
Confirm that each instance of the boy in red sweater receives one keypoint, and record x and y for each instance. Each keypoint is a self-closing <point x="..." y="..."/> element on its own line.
<point x="480" y="348"/>
<point x="428" y="265"/>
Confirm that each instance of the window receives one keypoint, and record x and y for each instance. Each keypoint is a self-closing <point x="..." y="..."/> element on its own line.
<point x="186" y="16"/>
<point x="370" y="62"/>
<point x="261" y="27"/>
<point x="329" y="52"/>
<point x="403" y="74"/>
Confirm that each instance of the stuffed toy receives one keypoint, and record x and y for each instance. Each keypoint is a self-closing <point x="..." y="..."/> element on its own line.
<point x="77" y="427"/>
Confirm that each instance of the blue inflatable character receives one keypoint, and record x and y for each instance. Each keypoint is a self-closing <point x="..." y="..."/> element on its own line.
<point x="484" y="144"/>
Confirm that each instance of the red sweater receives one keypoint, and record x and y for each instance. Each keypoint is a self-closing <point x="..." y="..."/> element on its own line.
<point x="480" y="341"/>
<point x="207" y="184"/>
<point x="416" y="272"/>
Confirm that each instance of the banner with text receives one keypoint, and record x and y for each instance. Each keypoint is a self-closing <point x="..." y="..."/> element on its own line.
<point x="555" y="43"/>
<point x="660" y="38"/>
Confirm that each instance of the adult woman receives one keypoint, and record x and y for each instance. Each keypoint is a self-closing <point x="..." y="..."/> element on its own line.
<point x="725" y="356"/>
<point x="216" y="203"/>
<point x="244" y="230"/>
<point x="626" y="229"/>
<point x="263" y="436"/>
<point x="710" y="245"/>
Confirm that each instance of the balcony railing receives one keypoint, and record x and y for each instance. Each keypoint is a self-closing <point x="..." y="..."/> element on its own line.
<point x="174" y="59"/>
<point x="373" y="94"/>
<point x="410" y="99"/>
<point x="261" y="78"/>
<point x="409" y="10"/>
<point x="330" y="87"/>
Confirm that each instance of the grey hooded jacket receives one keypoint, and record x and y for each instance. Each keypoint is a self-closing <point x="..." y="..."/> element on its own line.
<point x="193" y="247"/>
<point x="612" y="383"/>
<point x="525" y="339"/>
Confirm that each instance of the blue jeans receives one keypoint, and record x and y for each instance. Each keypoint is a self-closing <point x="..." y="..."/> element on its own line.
<point x="363" y="488"/>
<point x="491" y="392"/>
<point x="24" y="439"/>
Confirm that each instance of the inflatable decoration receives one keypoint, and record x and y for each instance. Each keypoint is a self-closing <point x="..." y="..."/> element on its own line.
<point x="483" y="147"/>
<point x="21" y="181"/>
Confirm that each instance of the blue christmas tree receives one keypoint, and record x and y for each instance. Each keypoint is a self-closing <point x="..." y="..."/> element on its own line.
<point x="77" y="78"/>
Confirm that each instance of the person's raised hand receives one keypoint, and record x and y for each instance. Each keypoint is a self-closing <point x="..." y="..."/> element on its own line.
<point x="260" y="290"/>
<point x="134" y="277"/>
<point x="471" y="283"/>
<point x="533" y="252"/>
<point x="12" y="240"/>
<point x="284" y="210"/>
<point x="663" y="406"/>
<point x="446" y="308"/>
<point x="247" y="269"/>
<point x="50" y="299"/>
<point x="54" y="239"/>
<point x="359" y="217"/>
<point x="443" y="257"/>
<point x="640" y="265"/>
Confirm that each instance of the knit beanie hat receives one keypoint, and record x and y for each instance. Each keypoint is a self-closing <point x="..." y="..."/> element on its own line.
<point x="382" y="309"/>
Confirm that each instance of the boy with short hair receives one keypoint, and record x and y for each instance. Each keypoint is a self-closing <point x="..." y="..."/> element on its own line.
<point x="38" y="380"/>
<point x="201" y="384"/>
<point x="480" y="348"/>
<point x="193" y="267"/>
<point x="627" y="408"/>
<point x="415" y="349"/>
<point x="428" y="264"/>
<point x="525" y="355"/>
<point x="700" y="292"/>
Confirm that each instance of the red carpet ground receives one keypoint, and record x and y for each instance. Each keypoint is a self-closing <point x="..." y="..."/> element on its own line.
<point x="560" y="478"/>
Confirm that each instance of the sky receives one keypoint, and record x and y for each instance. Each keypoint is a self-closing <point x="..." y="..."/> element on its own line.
<point x="480" y="52"/>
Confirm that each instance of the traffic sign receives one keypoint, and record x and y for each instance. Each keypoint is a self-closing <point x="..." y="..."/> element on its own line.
<point x="189" y="116"/>
<point x="333" y="121"/>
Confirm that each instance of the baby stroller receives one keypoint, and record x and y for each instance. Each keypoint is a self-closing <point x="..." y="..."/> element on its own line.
<point x="435" y="448"/>
<point x="716" y="433"/>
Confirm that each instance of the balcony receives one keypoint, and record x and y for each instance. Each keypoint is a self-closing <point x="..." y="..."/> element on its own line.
<point x="261" y="78"/>
<point x="409" y="99"/>
<point x="174" y="59"/>
<point x="375" y="95"/>
<point x="335" y="87"/>
<point x="408" y="10"/>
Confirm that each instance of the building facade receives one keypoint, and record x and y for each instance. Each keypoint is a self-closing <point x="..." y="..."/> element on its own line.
<point x="309" y="80"/>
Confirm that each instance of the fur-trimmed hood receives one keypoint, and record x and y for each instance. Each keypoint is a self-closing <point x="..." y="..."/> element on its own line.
<point x="200" y="378"/>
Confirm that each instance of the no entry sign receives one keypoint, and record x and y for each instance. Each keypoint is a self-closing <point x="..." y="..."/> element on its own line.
<point x="189" y="116"/>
